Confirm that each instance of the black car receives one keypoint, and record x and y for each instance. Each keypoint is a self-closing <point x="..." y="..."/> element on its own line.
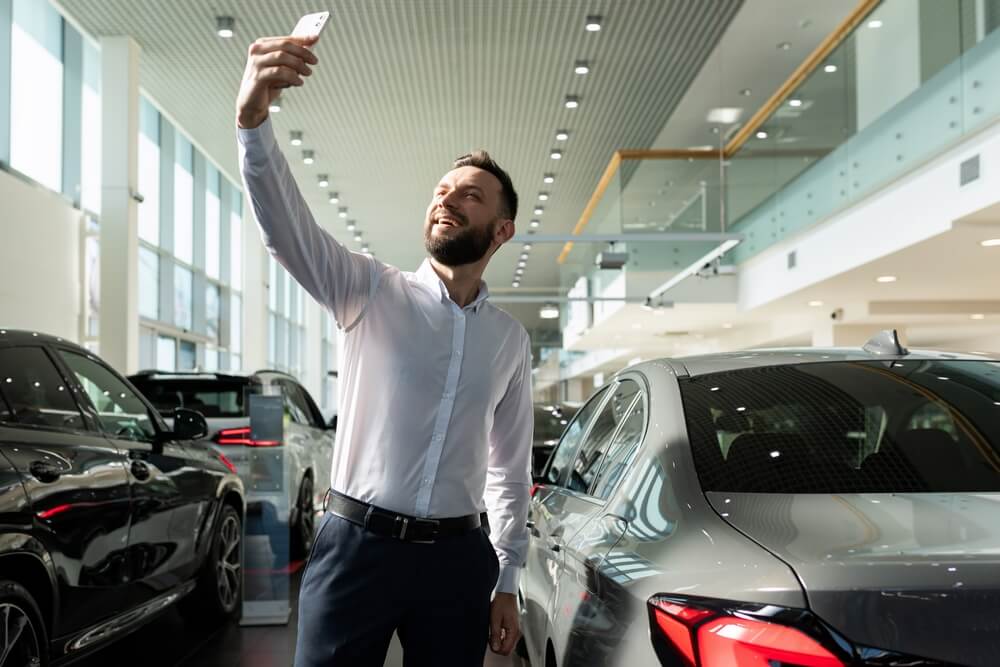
<point x="107" y="516"/>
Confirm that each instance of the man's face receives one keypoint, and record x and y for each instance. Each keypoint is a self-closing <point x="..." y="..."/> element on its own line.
<point x="463" y="216"/>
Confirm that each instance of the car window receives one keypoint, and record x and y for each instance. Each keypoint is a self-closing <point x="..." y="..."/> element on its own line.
<point x="599" y="439"/>
<point x="305" y="402"/>
<point x="121" y="412"/>
<point x="213" y="398"/>
<point x="293" y="407"/>
<point x="622" y="451"/>
<point x="848" y="427"/>
<point x="565" y="451"/>
<point x="34" y="393"/>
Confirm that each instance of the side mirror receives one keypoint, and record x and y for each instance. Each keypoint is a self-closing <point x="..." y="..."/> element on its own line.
<point x="189" y="425"/>
<point x="332" y="424"/>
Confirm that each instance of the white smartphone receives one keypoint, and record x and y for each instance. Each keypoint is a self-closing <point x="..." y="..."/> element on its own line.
<point x="311" y="25"/>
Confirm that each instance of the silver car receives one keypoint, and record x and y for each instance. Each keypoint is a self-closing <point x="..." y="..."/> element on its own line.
<point x="285" y="480"/>
<point x="816" y="508"/>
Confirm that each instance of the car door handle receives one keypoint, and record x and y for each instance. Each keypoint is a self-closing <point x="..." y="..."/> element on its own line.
<point x="530" y="524"/>
<point x="44" y="472"/>
<point x="555" y="546"/>
<point x="139" y="470"/>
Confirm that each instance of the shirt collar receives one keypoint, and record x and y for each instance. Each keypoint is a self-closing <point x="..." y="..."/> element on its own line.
<point x="428" y="276"/>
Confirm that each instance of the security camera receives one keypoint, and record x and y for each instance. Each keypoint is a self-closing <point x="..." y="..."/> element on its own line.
<point x="837" y="315"/>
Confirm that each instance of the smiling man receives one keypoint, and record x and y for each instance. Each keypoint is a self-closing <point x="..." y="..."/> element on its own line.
<point x="435" y="411"/>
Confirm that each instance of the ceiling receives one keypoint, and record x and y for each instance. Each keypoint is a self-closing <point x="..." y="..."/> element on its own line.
<point x="405" y="86"/>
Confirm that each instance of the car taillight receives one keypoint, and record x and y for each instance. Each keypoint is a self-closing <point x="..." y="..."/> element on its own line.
<point x="229" y="464"/>
<point x="241" y="436"/>
<point x="534" y="489"/>
<point x="703" y="634"/>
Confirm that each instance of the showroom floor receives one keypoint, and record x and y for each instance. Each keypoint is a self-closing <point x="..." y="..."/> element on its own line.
<point x="169" y="641"/>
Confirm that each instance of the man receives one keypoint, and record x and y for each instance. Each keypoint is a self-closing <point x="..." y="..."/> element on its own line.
<point x="435" y="411"/>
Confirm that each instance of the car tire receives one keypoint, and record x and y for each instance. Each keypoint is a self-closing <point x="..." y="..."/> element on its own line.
<point x="19" y="611"/>
<point x="219" y="592"/>
<point x="303" y="530"/>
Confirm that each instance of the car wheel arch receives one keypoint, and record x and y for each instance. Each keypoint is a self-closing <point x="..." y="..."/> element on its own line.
<point x="29" y="570"/>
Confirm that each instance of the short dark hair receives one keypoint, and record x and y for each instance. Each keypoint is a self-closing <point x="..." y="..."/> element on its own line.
<point x="482" y="160"/>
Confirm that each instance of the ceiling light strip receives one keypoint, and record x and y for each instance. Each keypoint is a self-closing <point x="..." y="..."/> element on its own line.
<point x="815" y="59"/>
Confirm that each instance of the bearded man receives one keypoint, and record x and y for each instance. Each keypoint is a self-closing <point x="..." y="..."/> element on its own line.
<point x="435" y="416"/>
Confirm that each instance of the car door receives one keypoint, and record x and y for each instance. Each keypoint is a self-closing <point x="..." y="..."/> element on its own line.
<point x="165" y="518"/>
<point x="298" y="435"/>
<point x="321" y="440"/>
<point x="589" y="622"/>
<point x="545" y="522"/>
<point x="76" y="482"/>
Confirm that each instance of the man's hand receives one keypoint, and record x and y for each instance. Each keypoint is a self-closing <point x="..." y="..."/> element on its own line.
<point x="273" y="63"/>
<point x="504" y="627"/>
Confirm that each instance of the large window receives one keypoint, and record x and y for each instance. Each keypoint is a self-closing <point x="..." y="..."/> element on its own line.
<point x="184" y="200"/>
<point x="183" y="297"/>
<point x="149" y="284"/>
<point x="90" y="148"/>
<point x="36" y="87"/>
<point x="236" y="240"/>
<point x="212" y="211"/>
<point x="149" y="172"/>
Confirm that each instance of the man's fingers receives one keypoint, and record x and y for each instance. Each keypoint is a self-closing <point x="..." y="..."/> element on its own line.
<point x="284" y="58"/>
<point x="296" y="46"/>
<point x="496" y="632"/>
<point x="511" y="635"/>
<point x="279" y="75"/>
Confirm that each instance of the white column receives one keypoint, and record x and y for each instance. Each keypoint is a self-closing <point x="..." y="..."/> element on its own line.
<point x="119" y="318"/>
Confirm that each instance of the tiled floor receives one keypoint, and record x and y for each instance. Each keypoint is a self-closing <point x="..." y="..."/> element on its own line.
<point x="170" y="641"/>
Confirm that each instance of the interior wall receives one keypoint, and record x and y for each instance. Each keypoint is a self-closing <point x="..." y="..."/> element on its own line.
<point x="40" y="256"/>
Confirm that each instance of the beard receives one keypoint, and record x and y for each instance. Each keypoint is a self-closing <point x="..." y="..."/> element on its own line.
<point x="465" y="246"/>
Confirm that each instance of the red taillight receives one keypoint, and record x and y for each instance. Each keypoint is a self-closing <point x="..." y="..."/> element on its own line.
<point x="534" y="489"/>
<point x="710" y="638"/>
<point x="229" y="464"/>
<point x="241" y="436"/>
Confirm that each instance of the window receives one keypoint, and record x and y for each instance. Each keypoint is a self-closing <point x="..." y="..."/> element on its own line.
<point x="166" y="353"/>
<point x="622" y="451"/>
<point x="295" y="408"/>
<point x="565" y="451"/>
<point x="187" y="355"/>
<point x="36" y="92"/>
<point x="598" y="441"/>
<point x="90" y="117"/>
<point x="149" y="172"/>
<point x="212" y="213"/>
<point x="184" y="200"/>
<point x="236" y="240"/>
<point x="848" y="427"/>
<point x="34" y="392"/>
<point x="121" y="412"/>
<point x="149" y="284"/>
<point x="212" y="311"/>
<point x="235" y="324"/>
<point x="183" y="293"/>
<point x="212" y="398"/>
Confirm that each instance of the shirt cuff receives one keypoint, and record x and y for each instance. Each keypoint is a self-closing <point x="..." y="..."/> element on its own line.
<point x="260" y="137"/>
<point x="508" y="579"/>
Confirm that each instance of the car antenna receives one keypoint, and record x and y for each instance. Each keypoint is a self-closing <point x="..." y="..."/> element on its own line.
<point x="885" y="342"/>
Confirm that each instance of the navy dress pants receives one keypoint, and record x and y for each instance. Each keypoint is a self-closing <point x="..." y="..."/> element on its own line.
<point x="358" y="588"/>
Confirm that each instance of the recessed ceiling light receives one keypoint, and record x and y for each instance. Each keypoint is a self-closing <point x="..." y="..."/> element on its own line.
<point x="324" y="181"/>
<point x="535" y="223"/>
<point x="562" y="135"/>
<point x="524" y="256"/>
<point x="724" y="115"/>
<point x="978" y="316"/>
<point x="308" y="157"/>
<point x="539" y="210"/>
<point x="296" y="138"/>
<point x="784" y="46"/>
<point x="275" y="105"/>
<point x="572" y="102"/>
<point x="364" y="248"/>
<point x="516" y="283"/>
<point x="990" y="243"/>
<point x="543" y="196"/>
<point x="815" y="304"/>
<point x="581" y="67"/>
<point x="549" y="178"/>
<point x="886" y="279"/>
<point x="746" y="92"/>
<point x="556" y="154"/>
<point x="527" y="247"/>
<point x="727" y="325"/>
<point x="593" y="23"/>
<point x="224" y="26"/>
<point x="522" y="264"/>
<point x="351" y="226"/>
<point x="795" y="102"/>
<point x="342" y="211"/>
<point x="761" y="134"/>
<point x="549" y="311"/>
<point x="357" y="237"/>
<point x="875" y="23"/>
<point x="334" y="197"/>
<point x="830" y="69"/>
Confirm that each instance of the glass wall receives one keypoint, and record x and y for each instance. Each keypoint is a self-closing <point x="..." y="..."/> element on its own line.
<point x="285" y="321"/>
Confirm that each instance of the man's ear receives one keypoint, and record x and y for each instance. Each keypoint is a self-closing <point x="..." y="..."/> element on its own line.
<point x="505" y="232"/>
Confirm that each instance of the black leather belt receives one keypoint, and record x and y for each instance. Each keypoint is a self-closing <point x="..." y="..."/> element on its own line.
<point x="400" y="526"/>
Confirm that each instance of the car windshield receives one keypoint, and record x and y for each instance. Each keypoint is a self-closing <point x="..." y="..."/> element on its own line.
<point x="847" y="427"/>
<point x="213" y="398"/>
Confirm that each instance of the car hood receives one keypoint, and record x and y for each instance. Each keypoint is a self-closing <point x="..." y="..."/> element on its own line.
<point x="914" y="573"/>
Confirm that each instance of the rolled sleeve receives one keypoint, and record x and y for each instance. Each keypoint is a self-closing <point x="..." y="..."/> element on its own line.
<point x="508" y="477"/>
<point x="342" y="281"/>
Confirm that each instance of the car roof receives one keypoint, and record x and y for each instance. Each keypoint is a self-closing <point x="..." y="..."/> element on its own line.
<point x="170" y="376"/>
<point x="761" y="358"/>
<point x="26" y="337"/>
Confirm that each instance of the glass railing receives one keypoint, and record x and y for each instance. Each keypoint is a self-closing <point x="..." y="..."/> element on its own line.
<point x="911" y="80"/>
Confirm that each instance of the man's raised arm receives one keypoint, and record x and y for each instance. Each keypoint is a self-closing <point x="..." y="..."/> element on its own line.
<point x="337" y="278"/>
